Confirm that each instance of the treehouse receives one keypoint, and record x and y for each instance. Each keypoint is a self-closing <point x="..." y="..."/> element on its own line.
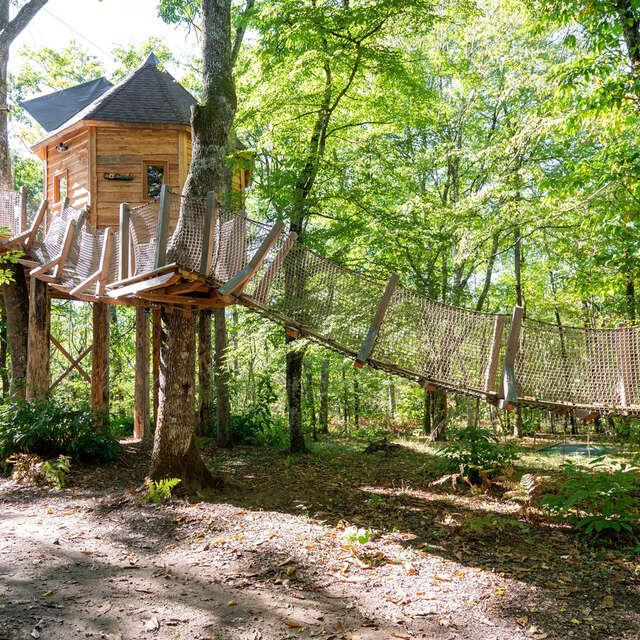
<point x="107" y="144"/>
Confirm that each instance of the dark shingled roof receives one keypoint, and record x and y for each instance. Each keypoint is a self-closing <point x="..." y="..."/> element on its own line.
<point x="55" y="109"/>
<point x="145" y="95"/>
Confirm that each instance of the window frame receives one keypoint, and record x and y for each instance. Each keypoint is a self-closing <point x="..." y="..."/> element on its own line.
<point x="57" y="177"/>
<point x="145" y="183"/>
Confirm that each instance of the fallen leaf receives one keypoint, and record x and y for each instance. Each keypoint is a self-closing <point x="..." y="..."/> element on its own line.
<point x="607" y="602"/>
<point x="292" y="624"/>
<point x="231" y="603"/>
<point x="291" y="570"/>
<point x="47" y="593"/>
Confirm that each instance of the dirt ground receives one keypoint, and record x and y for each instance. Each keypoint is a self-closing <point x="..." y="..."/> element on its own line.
<point x="267" y="558"/>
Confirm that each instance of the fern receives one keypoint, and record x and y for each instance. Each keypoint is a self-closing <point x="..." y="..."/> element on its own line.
<point x="160" y="490"/>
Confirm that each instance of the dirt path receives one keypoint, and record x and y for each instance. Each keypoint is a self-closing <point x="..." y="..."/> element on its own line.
<point x="265" y="562"/>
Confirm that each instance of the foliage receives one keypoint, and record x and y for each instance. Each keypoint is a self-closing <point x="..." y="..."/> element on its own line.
<point x="159" y="491"/>
<point x="355" y="534"/>
<point x="29" y="467"/>
<point x="598" y="500"/>
<point x="258" y="426"/>
<point x="477" y="453"/>
<point x="53" y="428"/>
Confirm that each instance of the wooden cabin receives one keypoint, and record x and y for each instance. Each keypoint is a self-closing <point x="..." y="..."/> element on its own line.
<point x="107" y="144"/>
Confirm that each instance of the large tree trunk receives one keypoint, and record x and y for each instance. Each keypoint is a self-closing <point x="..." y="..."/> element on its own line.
<point x="38" y="351"/>
<point x="311" y="399"/>
<point x="4" y="371"/>
<point x="16" y="302"/>
<point x="141" y="422"/>
<point x="517" y="270"/>
<point x="223" y="409"/>
<point x="295" y="357"/>
<point x="439" y="415"/>
<point x="324" y="396"/>
<point x="16" y="296"/>
<point x="100" y="361"/>
<point x="205" y="410"/>
<point x="175" y="454"/>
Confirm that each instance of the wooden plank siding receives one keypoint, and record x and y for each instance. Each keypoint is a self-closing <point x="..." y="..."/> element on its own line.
<point x="96" y="148"/>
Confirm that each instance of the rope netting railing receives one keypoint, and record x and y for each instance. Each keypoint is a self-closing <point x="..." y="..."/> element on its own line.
<point x="12" y="212"/>
<point x="421" y="339"/>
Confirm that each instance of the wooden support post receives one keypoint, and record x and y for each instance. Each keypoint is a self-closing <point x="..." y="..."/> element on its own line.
<point x="38" y="347"/>
<point x="100" y="360"/>
<point x="23" y="210"/>
<point x="624" y="357"/>
<point x="164" y="210"/>
<point x="37" y="221"/>
<point x="494" y="356"/>
<point x="509" y="389"/>
<point x="157" y="342"/>
<point x="100" y="276"/>
<point x="260" y="295"/>
<point x="208" y="233"/>
<point x="370" y="339"/>
<point x="141" y="428"/>
<point x="238" y="282"/>
<point x="123" y="267"/>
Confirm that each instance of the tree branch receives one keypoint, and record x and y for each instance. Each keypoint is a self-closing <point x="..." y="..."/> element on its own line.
<point x="19" y="22"/>
<point x="240" y="31"/>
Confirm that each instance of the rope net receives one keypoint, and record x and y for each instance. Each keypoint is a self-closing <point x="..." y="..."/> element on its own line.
<point x="419" y="338"/>
<point x="10" y="212"/>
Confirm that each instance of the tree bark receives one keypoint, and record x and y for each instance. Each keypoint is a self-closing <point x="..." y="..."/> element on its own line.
<point x="100" y="361"/>
<point x="356" y="403"/>
<point x="141" y="426"/>
<point x="517" y="270"/>
<point x="16" y="303"/>
<point x="426" y="412"/>
<point x="16" y="296"/>
<point x="155" y="360"/>
<point x="392" y="400"/>
<point x="324" y="396"/>
<point x="311" y="399"/>
<point x="223" y="409"/>
<point x="294" y="392"/>
<point x="4" y="371"/>
<point x="438" y="414"/>
<point x="175" y="454"/>
<point x="38" y="350"/>
<point x="205" y="410"/>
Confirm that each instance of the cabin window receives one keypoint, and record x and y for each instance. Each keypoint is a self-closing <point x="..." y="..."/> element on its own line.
<point x="155" y="173"/>
<point x="60" y="186"/>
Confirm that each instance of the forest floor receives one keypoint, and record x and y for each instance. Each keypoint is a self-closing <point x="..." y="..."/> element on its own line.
<point x="269" y="558"/>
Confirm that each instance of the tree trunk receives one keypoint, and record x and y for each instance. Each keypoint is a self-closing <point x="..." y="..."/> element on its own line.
<point x="345" y="401"/>
<point x="223" y="410"/>
<point x="517" y="270"/>
<point x="426" y="414"/>
<point x="4" y="371"/>
<point x="392" y="400"/>
<point x="38" y="351"/>
<point x="205" y="411"/>
<point x="295" y="357"/>
<point x="356" y="402"/>
<point x="438" y="414"/>
<point x="100" y="361"/>
<point x="175" y="454"/>
<point x="16" y="303"/>
<point x="155" y="360"/>
<point x="630" y="295"/>
<point x="310" y="399"/>
<point x="141" y="426"/>
<point x="324" y="396"/>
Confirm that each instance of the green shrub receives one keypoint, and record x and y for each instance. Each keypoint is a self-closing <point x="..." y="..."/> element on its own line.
<point x="259" y="426"/>
<point x="51" y="429"/>
<point x="597" y="500"/>
<point x="160" y="490"/>
<point x="476" y="452"/>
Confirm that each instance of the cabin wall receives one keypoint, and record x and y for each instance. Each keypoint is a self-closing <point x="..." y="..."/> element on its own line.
<point x="123" y="149"/>
<point x="75" y="161"/>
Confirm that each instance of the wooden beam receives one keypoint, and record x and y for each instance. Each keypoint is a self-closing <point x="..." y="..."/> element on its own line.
<point x="23" y="209"/>
<point x="141" y="426"/>
<point x="236" y="284"/>
<point x="38" y="343"/>
<point x="69" y="357"/>
<point x="260" y="294"/>
<point x="143" y="276"/>
<point x="372" y="334"/>
<point x="100" y="276"/>
<point x="494" y="355"/>
<point x="75" y="364"/>
<point x="144" y="285"/>
<point x="100" y="360"/>
<point x="211" y="302"/>
<point x="124" y="265"/>
<point x="208" y="233"/>
<point x="58" y="262"/>
<point x="509" y="388"/>
<point x="164" y="210"/>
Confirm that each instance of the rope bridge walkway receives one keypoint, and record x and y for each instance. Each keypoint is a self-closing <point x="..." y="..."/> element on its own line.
<point x="214" y="259"/>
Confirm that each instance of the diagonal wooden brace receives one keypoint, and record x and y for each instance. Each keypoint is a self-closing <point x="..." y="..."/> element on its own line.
<point x="372" y="334"/>
<point x="509" y="388"/>
<point x="236" y="284"/>
<point x="58" y="263"/>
